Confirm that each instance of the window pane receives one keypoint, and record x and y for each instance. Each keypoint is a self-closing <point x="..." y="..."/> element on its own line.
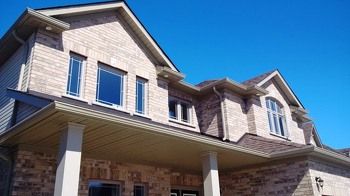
<point x="139" y="190"/>
<point x="282" y="122"/>
<point x="98" y="189"/>
<point x="268" y="104"/>
<point x="109" y="87"/>
<point x="74" y="76"/>
<point x="273" y="105"/>
<point x="184" y="112"/>
<point x="269" y="115"/>
<point x="275" y="121"/>
<point x="140" y="96"/>
<point x="172" y="109"/>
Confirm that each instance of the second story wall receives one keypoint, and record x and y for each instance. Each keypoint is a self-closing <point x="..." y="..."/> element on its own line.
<point x="294" y="131"/>
<point x="235" y="115"/>
<point x="105" y="39"/>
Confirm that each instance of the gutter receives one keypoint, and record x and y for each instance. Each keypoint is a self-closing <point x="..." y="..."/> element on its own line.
<point x="223" y="116"/>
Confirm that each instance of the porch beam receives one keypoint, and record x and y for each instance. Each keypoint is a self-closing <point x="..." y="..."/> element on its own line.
<point x="210" y="174"/>
<point x="68" y="162"/>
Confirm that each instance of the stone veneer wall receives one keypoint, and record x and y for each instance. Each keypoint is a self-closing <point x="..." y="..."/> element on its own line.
<point x="336" y="178"/>
<point x="288" y="178"/>
<point x="34" y="174"/>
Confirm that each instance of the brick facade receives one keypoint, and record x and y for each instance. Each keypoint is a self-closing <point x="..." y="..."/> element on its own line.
<point x="34" y="174"/>
<point x="289" y="178"/>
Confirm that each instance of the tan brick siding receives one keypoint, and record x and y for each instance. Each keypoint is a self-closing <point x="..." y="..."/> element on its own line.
<point x="100" y="38"/>
<point x="236" y="118"/>
<point x="289" y="178"/>
<point x="209" y="115"/>
<point x="336" y="179"/>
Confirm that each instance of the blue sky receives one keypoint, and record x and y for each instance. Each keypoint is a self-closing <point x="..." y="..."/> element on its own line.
<point x="308" y="41"/>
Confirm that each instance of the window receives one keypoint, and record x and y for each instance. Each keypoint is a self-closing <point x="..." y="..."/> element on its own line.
<point x="179" y="110"/>
<point x="277" y="120"/>
<point x="110" y="85"/>
<point x="172" y="109"/>
<point x="140" y="95"/>
<point x="98" y="188"/>
<point x="75" y="75"/>
<point x="139" y="190"/>
<point x="178" y="192"/>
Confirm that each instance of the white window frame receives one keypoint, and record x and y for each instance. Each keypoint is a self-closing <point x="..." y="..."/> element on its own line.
<point x="274" y="116"/>
<point x="178" y="111"/>
<point x="145" y="95"/>
<point x="81" y="78"/>
<point x="116" y="72"/>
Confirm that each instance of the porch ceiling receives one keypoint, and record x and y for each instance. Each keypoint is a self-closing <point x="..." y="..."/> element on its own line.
<point x="105" y="139"/>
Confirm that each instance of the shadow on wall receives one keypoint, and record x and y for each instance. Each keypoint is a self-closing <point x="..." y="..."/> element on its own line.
<point x="209" y="116"/>
<point x="288" y="178"/>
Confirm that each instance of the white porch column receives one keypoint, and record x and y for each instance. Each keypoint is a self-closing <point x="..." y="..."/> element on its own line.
<point x="210" y="174"/>
<point x="69" y="157"/>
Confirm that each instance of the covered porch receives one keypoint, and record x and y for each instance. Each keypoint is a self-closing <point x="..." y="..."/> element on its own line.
<point x="84" y="136"/>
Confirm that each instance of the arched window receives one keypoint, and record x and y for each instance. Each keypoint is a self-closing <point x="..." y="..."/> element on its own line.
<point x="277" y="118"/>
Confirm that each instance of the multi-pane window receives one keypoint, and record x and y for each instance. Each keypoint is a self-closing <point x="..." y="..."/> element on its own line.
<point x="140" y="95"/>
<point x="277" y="119"/>
<point x="110" y="85"/>
<point x="75" y="75"/>
<point x="99" y="188"/>
<point x="139" y="190"/>
<point x="179" y="110"/>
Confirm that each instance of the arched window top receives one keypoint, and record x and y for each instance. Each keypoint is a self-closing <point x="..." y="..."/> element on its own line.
<point x="276" y="117"/>
<point x="274" y="105"/>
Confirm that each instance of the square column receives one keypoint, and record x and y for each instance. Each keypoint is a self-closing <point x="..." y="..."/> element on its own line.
<point x="210" y="174"/>
<point x="68" y="162"/>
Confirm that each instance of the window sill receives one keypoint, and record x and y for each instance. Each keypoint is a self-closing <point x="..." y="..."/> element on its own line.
<point x="280" y="136"/>
<point x="111" y="107"/>
<point x="181" y="123"/>
<point x="141" y="115"/>
<point x="75" y="98"/>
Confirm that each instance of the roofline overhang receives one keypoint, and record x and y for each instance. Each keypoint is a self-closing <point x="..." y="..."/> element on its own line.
<point x="24" y="26"/>
<point x="234" y="86"/>
<point x="157" y="128"/>
<point x="127" y="12"/>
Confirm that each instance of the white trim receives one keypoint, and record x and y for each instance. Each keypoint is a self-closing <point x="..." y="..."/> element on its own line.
<point x="178" y="111"/>
<point x="81" y="76"/>
<point x="276" y="73"/>
<point x="110" y="107"/>
<point x="144" y="84"/>
<point x="110" y="6"/>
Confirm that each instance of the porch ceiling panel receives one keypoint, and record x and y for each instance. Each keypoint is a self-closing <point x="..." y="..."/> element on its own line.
<point x="114" y="141"/>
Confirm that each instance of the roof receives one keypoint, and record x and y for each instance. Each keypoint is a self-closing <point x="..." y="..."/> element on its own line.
<point x="205" y="83"/>
<point x="44" y="17"/>
<point x="257" y="79"/>
<point x="267" y="145"/>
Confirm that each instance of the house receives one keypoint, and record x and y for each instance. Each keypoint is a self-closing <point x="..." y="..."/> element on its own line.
<point x="91" y="105"/>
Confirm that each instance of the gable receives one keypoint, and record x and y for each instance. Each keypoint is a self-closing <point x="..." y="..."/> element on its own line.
<point x="283" y="86"/>
<point x="129" y="19"/>
<point x="49" y="19"/>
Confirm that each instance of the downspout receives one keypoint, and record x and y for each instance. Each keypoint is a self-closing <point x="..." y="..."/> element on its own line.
<point x="26" y="53"/>
<point x="223" y="118"/>
<point x="20" y="77"/>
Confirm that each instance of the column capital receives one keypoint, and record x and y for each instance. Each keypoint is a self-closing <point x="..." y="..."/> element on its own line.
<point x="209" y="153"/>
